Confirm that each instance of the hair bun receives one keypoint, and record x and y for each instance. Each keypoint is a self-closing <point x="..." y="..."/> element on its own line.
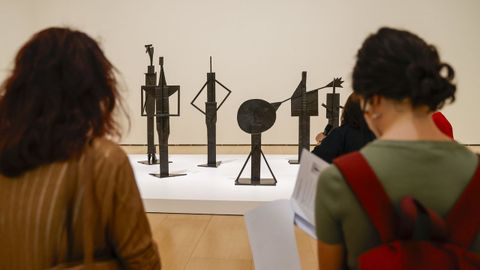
<point x="415" y="73"/>
<point x="429" y="87"/>
<point x="450" y="72"/>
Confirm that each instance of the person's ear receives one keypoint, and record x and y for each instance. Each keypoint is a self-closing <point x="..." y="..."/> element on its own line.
<point x="366" y="105"/>
<point x="376" y="101"/>
<point x="375" y="109"/>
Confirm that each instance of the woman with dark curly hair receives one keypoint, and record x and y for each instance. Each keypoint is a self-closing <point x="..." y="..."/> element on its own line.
<point x="401" y="81"/>
<point x="65" y="189"/>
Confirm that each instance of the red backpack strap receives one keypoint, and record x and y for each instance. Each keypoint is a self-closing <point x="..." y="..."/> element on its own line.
<point x="369" y="192"/>
<point x="463" y="220"/>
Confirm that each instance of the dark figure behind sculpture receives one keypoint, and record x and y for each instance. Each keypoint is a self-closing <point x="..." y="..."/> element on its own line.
<point x="352" y="134"/>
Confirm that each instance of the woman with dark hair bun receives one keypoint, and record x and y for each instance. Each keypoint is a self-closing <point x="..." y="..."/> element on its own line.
<point x="352" y="134"/>
<point x="67" y="194"/>
<point x="400" y="80"/>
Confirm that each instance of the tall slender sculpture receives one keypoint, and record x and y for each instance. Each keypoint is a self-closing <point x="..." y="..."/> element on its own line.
<point x="333" y="106"/>
<point x="303" y="106"/>
<point x="211" y="115"/>
<point x="162" y="97"/>
<point x="254" y="117"/>
<point x="155" y="105"/>
<point x="148" y="107"/>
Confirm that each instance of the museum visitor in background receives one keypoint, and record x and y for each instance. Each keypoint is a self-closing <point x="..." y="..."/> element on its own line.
<point x="352" y="134"/>
<point x="67" y="193"/>
<point x="400" y="80"/>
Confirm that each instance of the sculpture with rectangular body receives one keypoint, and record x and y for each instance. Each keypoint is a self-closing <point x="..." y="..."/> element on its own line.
<point x="155" y="101"/>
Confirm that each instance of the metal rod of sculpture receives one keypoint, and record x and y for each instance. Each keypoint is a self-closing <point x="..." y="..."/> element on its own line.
<point x="148" y="106"/>
<point x="256" y="116"/>
<point x="211" y="115"/>
<point x="162" y="95"/>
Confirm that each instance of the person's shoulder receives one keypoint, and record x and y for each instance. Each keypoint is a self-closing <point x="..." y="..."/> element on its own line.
<point x="336" y="134"/>
<point x="331" y="181"/>
<point x="105" y="150"/>
<point x="461" y="152"/>
<point x="410" y="156"/>
<point x="439" y="147"/>
<point x="341" y="129"/>
<point x="333" y="193"/>
<point x="348" y="131"/>
<point x="112" y="167"/>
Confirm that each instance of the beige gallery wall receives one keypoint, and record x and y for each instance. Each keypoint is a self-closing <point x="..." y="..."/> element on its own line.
<point x="16" y="24"/>
<point x="260" y="48"/>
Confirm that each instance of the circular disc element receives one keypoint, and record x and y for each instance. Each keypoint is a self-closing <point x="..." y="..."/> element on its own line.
<point x="256" y="116"/>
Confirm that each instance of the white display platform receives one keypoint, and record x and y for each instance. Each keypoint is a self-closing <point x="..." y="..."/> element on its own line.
<point x="211" y="190"/>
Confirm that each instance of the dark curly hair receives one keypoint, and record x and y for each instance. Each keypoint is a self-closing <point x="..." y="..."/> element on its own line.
<point x="59" y="97"/>
<point x="400" y="65"/>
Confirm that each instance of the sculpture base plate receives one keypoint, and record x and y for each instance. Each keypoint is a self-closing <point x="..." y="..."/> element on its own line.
<point x="145" y="162"/>
<point x="261" y="182"/>
<point x="165" y="176"/>
<point x="292" y="161"/>
<point x="211" y="165"/>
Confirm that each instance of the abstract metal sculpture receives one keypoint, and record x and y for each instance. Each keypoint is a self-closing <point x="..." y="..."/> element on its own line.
<point x="305" y="104"/>
<point x="211" y="115"/>
<point x="254" y="117"/>
<point x="160" y="105"/>
<point x="162" y="97"/>
<point x="149" y="107"/>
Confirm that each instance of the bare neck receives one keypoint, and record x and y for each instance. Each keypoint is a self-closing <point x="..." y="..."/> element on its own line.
<point x="411" y="125"/>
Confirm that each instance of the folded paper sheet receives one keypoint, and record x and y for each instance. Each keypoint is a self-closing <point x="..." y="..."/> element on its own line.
<point x="271" y="225"/>
<point x="271" y="235"/>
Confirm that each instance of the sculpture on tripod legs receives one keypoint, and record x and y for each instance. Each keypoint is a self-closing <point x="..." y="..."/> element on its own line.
<point x="254" y="117"/>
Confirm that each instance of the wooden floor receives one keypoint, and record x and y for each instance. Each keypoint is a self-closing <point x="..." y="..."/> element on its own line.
<point x="206" y="242"/>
